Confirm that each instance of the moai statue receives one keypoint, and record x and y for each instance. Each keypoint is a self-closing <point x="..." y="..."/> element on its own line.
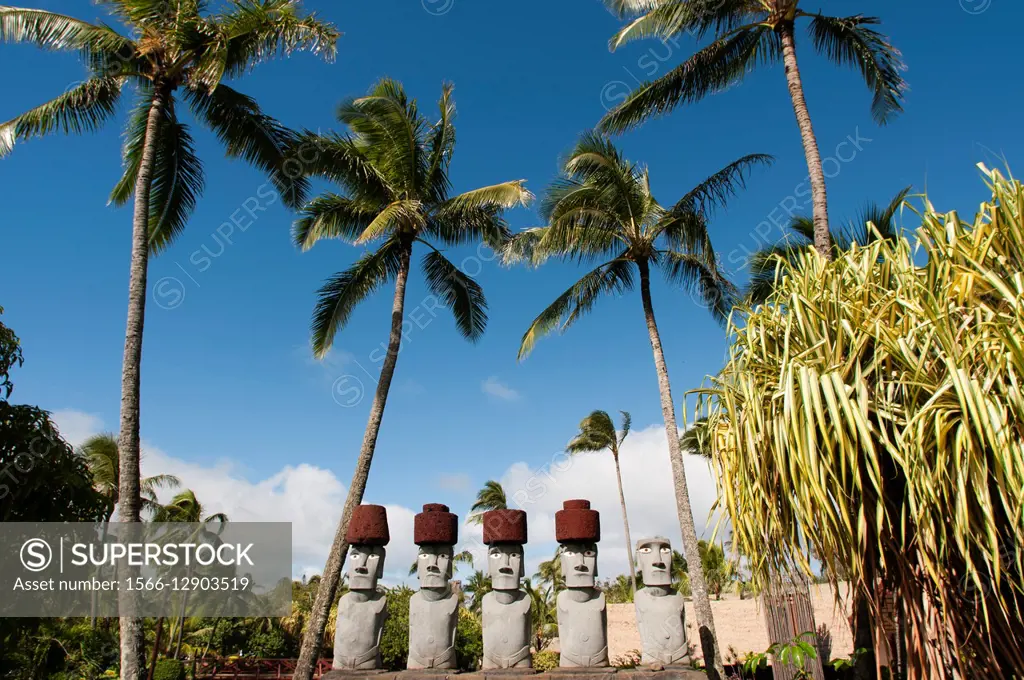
<point x="362" y="611"/>
<point x="506" y="609"/>
<point x="433" y="610"/>
<point x="582" y="614"/>
<point x="659" y="611"/>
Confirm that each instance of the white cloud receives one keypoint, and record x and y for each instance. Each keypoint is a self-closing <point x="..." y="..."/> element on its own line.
<point x="495" y="388"/>
<point x="311" y="498"/>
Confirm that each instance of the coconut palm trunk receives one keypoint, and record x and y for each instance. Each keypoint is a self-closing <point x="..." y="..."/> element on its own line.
<point x="625" y="522"/>
<point x="312" y="641"/>
<point x="822" y="239"/>
<point x="701" y="602"/>
<point x="129" y="494"/>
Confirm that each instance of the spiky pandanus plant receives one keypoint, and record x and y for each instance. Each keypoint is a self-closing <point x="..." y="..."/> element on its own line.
<point x="747" y="34"/>
<point x="874" y="418"/>
<point x="602" y="209"/>
<point x="882" y="221"/>
<point x="393" y="168"/>
<point x="174" y="49"/>
<point x="597" y="433"/>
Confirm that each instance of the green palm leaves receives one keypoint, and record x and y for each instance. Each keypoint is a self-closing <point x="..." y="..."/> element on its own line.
<point x="602" y="207"/>
<point x="393" y="168"/>
<point x="597" y="433"/>
<point x="745" y="36"/>
<point x="490" y="497"/>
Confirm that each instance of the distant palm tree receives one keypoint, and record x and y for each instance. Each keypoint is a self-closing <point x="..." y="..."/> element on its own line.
<point x="749" y="33"/>
<point x="597" y="433"/>
<point x="394" y="169"/>
<point x="103" y="460"/>
<point x="602" y="207"/>
<point x="764" y="262"/>
<point x="695" y="440"/>
<point x="173" y="50"/>
<point x="542" y="604"/>
<point x="549" y="572"/>
<point x="478" y="585"/>
<point x="490" y="497"/>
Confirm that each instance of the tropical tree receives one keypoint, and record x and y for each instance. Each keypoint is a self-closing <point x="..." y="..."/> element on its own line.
<point x="597" y="433"/>
<point x="477" y="585"/>
<point x="549" y="572"/>
<point x="887" y="441"/>
<point x="393" y="167"/>
<point x="101" y="455"/>
<point x="490" y="497"/>
<point x="172" y="50"/>
<point x="748" y="33"/>
<point x="601" y="208"/>
<point x="544" y="619"/>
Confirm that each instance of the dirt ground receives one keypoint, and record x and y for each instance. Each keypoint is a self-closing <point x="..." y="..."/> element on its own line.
<point x="739" y="624"/>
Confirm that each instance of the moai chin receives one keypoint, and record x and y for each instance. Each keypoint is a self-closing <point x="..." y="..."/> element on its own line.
<point x="363" y="610"/>
<point x="660" y="615"/>
<point x="434" y="609"/>
<point x="506" y="609"/>
<point x="582" y="614"/>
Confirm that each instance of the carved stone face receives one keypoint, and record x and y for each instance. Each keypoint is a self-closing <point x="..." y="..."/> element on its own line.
<point x="579" y="564"/>
<point x="434" y="565"/>
<point x="365" y="566"/>
<point x="505" y="566"/>
<point x="655" y="558"/>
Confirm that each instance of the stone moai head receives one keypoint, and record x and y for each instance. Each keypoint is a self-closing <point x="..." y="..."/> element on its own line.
<point x="367" y="535"/>
<point x="435" y="531"/>
<point x="654" y="555"/>
<point x="578" y="529"/>
<point x="505" y="536"/>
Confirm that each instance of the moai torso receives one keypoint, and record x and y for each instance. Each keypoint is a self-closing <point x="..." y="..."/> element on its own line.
<point x="662" y="623"/>
<point x="432" y="631"/>
<point x="582" y="629"/>
<point x="357" y="634"/>
<point x="506" y="630"/>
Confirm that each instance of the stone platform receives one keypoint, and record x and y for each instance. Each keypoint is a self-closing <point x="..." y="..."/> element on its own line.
<point x="526" y="674"/>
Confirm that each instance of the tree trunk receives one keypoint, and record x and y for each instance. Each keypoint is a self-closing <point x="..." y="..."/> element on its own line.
<point x="863" y="637"/>
<point x="822" y="239"/>
<point x="698" y="586"/>
<point x="312" y="640"/>
<point x="156" y="647"/>
<point x="625" y="524"/>
<point x="213" y="632"/>
<point x="133" y="652"/>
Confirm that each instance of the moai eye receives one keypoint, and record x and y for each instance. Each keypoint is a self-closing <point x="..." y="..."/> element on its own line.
<point x="589" y="553"/>
<point x="646" y="549"/>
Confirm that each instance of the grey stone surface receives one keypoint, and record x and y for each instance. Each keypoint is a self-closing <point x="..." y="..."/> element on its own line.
<point x="361" y="612"/>
<point x="582" y="628"/>
<point x="506" y="611"/>
<point x="660" y="613"/>
<point x="433" y="611"/>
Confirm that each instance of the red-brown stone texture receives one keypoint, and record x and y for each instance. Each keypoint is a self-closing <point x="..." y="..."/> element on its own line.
<point x="504" y="526"/>
<point x="369" y="526"/>
<point x="436" y="526"/>
<point x="577" y="523"/>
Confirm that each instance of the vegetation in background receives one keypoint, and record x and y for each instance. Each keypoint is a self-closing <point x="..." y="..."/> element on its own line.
<point x="870" y="413"/>
<point x="490" y="497"/>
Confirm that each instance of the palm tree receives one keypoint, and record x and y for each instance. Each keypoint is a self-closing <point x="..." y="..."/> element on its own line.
<point x="597" y="433"/>
<point x="478" y="585"/>
<point x="602" y="207"/>
<point x="763" y="263"/>
<point x="490" y="497"/>
<point x="172" y="48"/>
<point x="749" y="33"/>
<point x="103" y="460"/>
<point x="393" y="167"/>
<point x="549" y="572"/>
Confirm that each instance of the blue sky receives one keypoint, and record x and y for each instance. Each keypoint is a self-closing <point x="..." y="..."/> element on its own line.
<point x="227" y="374"/>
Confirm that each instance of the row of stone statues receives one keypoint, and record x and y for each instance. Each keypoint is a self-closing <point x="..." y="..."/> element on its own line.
<point x="433" y="610"/>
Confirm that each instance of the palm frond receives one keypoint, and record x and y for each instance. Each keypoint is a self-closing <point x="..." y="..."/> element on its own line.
<point x="666" y="19"/>
<point x="504" y="195"/>
<point x="58" y="32"/>
<point x="710" y="70"/>
<point x="455" y="226"/>
<point x="338" y="159"/>
<point x="612" y="277"/>
<point x="521" y="248"/>
<point x="250" y="134"/>
<point x="404" y="216"/>
<point x="458" y="292"/>
<point x="331" y="216"/>
<point x="340" y="294"/>
<point x="259" y="30"/>
<point x="702" y="277"/>
<point x="849" y="40"/>
<point x="597" y="432"/>
<point x="440" y="148"/>
<point x="627" y="423"/>
<point x="716" y="190"/>
<point x="82" y="108"/>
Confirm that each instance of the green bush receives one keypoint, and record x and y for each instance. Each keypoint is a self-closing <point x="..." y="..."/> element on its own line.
<point x="394" y="642"/>
<point x="469" y="641"/>
<point x="169" y="669"/>
<point x="545" y="661"/>
<point x="630" y="659"/>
